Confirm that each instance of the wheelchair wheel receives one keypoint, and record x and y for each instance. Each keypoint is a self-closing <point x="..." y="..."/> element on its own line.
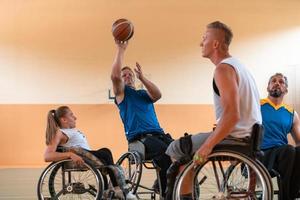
<point x="62" y="180"/>
<point x="132" y="165"/>
<point x="227" y="175"/>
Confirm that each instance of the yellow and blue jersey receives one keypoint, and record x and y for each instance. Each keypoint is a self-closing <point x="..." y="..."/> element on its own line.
<point x="278" y="123"/>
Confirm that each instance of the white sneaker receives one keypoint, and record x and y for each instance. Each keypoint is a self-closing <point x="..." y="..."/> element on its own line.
<point x="130" y="196"/>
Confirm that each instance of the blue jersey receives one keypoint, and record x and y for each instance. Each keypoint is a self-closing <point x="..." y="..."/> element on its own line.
<point x="277" y="122"/>
<point x="138" y="114"/>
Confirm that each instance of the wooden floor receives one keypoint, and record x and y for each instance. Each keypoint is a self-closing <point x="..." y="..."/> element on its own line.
<point x="21" y="183"/>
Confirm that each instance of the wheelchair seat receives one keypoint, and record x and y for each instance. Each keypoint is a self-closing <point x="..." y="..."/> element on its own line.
<point x="249" y="146"/>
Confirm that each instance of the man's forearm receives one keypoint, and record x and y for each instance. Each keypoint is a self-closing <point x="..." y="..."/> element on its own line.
<point x="152" y="89"/>
<point x="117" y="64"/>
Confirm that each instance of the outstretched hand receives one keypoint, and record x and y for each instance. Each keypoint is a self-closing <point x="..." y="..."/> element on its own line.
<point x="138" y="71"/>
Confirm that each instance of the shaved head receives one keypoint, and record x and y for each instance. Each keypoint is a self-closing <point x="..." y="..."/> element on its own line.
<point x="223" y="32"/>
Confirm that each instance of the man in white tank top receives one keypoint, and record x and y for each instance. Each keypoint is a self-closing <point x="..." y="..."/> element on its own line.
<point x="236" y="98"/>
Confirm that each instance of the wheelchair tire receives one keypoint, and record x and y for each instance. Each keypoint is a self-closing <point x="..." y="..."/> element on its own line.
<point x="227" y="175"/>
<point x="132" y="165"/>
<point x="60" y="181"/>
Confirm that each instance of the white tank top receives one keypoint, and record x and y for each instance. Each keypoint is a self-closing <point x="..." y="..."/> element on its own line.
<point x="249" y="100"/>
<point x="75" y="138"/>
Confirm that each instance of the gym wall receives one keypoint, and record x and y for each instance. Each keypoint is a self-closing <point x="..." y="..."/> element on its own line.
<point x="60" y="52"/>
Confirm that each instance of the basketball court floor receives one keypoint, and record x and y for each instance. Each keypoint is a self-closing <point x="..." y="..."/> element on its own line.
<point x="20" y="183"/>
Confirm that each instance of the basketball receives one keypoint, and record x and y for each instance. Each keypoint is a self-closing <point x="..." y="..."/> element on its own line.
<point x="122" y="30"/>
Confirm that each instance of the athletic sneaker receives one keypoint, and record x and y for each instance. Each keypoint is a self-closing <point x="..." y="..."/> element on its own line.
<point x="130" y="196"/>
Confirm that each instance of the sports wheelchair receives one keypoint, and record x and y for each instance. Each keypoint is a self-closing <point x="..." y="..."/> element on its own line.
<point x="232" y="171"/>
<point x="133" y="164"/>
<point x="66" y="180"/>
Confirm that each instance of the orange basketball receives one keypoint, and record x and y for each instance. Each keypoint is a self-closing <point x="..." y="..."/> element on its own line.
<point x="122" y="30"/>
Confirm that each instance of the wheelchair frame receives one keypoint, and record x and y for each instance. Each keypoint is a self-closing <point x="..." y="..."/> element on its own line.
<point x="133" y="165"/>
<point x="224" y="162"/>
<point x="62" y="179"/>
<point x="216" y="166"/>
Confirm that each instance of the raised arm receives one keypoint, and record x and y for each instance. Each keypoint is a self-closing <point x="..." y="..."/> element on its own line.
<point x="118" y="85"/>
<point x="51" y="154"/>
<point x="152" y="90"/>
<point x="296" y="129"/>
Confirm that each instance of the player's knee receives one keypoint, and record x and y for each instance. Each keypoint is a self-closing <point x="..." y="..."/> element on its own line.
<point x="181" y="149"/>
<point x="186" y="144"/>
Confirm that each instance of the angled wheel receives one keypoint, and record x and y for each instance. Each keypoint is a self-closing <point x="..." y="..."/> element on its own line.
<point x="227" y="175"/>
<point x="62" y="180"/>
<point x="132" y="165"/>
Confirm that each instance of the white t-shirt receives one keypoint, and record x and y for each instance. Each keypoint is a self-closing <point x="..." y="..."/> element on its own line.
<point x="249" y="100"/>
<point x="75" y="138"/>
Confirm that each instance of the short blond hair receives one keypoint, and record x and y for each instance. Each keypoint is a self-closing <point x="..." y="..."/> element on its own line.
<point x="221" y="26"/>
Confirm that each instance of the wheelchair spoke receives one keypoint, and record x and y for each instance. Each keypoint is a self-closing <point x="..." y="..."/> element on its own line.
<point x="58" y="194"/>
<point x="70" y="182"/>
<point x="132" y="166"/>
<point x="216" y="174"/>
<point x="92" y="190"/>
<point x="226" y="175"/>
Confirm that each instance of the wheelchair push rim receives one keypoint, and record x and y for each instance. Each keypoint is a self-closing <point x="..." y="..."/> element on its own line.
<point x="62" y="180"/>
<point x="227" y="175"/>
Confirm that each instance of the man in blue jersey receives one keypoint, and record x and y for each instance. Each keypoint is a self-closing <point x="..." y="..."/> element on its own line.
<point x="279" y="120"/>
<point x="138" y="114"/>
